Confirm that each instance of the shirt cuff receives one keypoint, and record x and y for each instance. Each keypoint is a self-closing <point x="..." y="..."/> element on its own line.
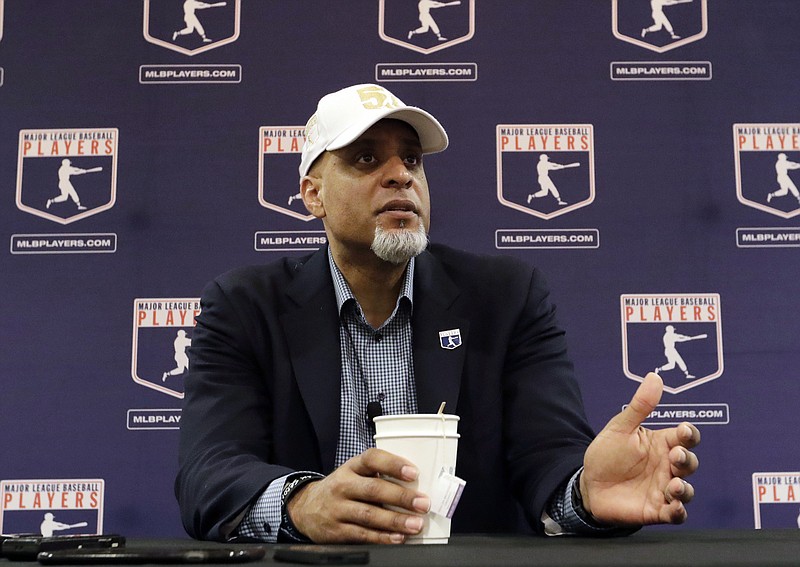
<point x="565" y="517"/>
<point x="263" y="520"/>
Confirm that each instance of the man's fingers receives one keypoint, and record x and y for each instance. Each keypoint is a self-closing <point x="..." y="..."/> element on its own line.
<point x="688" y="435"/>
<point x="384" y="492"/>
<point x="674" y="513"/>
<point x="352" y="533"/>
<point x="362" y="518"/>
<point x="369" y="487"/>
<point x="346" y="507"/>
<point x="677" y="494"/>
<point x="644" y="401"/>
<point x="682" y="462"/>
<point x="685" y="435"/>
<point x="373" y="462"/>
<point x="371" y="516"/>
<point x="680" y="490"/>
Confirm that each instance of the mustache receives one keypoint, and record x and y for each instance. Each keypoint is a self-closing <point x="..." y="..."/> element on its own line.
<point x="399" y="205"/>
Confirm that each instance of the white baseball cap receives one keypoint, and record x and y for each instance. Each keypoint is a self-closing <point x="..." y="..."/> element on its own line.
<point x="344" y="115"/>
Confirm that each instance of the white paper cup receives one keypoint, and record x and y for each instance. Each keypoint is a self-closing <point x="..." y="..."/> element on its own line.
<point x="430" y="441"/>
<point x="429" y="423"/>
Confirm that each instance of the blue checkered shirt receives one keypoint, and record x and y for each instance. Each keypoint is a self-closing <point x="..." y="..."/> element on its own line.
<point x="377" y="366"/>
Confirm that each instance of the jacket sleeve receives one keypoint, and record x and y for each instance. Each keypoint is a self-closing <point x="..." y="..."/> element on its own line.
<point x="226" y="423"/>
<point x="545" y="425"/>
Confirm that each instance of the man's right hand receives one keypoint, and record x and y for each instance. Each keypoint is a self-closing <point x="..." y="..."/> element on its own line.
<point x="347" y="506"/>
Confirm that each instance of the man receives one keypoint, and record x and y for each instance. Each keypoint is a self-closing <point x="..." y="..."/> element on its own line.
<point x="660" y="20"/>
<point x="66" y="171"/>
<point x="192" y="22"/>
<point x="50" y="525"/>
<point x="670" y="340"/>
<point x="546" y="185"/>
<point x="427" y="23"/>
<point x="782" y="167"/>
<point x="179" y="345"/>
<point x="287" y="358"/>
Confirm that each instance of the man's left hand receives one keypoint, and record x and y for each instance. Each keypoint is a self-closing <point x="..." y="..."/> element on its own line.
<point x="635" y="476"/>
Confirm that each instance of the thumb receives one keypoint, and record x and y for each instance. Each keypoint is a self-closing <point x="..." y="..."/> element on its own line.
<point x="644" y="401"/>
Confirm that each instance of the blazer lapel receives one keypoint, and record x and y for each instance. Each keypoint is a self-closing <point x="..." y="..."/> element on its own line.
<point x="311" y="324"/>
<point x="312" y="331"/>
<point x="437" y="370"/>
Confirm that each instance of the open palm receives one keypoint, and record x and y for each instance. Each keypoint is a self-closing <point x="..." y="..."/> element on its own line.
<point x="635" y="476"/>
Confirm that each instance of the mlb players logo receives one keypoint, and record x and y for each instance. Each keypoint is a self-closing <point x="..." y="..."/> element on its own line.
<point x="677" y="336"/>
<point x="659" y="25"/>
<point x="52" y="507"/>
<point x="767" y="159"/>
<point x="450" y="339"/>
<point x="545" y="170"/>
<point x="67" y="175"/>
<point x="426" y="26"/>
<point x="162" y="330"/>
<point x="278" y="157"/>
<point x="776" y="499"/>
<point x="191" y="26"/>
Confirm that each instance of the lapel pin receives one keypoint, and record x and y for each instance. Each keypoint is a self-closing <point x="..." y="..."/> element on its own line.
<point x="450" y="339"/>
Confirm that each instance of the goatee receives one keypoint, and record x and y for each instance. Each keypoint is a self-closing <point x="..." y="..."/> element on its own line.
<point x="398" y="246"/>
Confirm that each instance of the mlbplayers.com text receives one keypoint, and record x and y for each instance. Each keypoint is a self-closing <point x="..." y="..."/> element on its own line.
<point x="63" y="243"/>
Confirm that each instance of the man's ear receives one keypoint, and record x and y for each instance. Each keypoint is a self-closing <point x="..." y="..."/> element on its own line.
<point x="311" y="192"/>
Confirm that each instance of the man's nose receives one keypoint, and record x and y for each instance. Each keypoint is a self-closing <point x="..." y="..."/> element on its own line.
<point x="396" y="174"/>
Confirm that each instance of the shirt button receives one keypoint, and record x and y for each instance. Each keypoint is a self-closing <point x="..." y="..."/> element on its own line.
<point x="378" y="337"/>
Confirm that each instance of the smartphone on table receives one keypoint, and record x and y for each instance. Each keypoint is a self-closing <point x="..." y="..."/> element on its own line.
<point x="322" y="554"/>
<point x="151" y="555"/>
<point x="27" y="547"/>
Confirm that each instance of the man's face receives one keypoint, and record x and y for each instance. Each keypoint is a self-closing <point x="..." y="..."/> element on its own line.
<point x="377" y="181"/>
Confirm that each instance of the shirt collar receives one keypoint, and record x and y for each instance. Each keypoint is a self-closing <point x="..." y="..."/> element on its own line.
<point x="343" y="292"/>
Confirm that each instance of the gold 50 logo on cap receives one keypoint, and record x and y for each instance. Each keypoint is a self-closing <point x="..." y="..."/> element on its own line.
<point x="344" y="115"/>
<point x="374" y="97"/>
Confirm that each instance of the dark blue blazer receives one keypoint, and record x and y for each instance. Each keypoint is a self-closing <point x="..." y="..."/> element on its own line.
<point x="262" y="391"/>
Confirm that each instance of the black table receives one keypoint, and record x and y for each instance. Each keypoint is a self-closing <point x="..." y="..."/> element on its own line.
<point x="673" y="548"/>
